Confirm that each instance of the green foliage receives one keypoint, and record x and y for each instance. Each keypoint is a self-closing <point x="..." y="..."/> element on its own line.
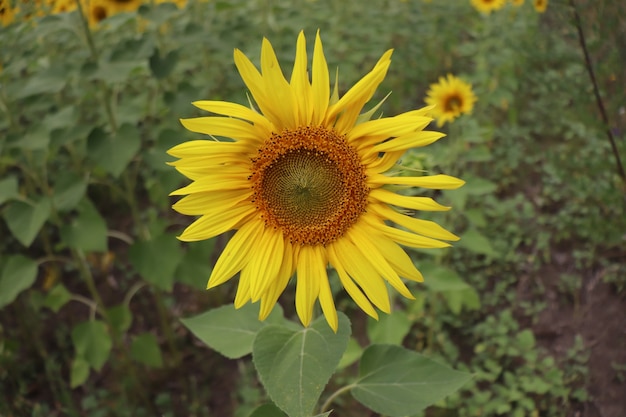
<point x="92" y="276"/>
<point x="397" y="382"/>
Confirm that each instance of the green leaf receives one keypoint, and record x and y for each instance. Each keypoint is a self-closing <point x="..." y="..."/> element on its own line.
<point x="161" y="67"/>
<point x="156" y="260"/>
<point x="8" y="189"/>
<point x="92" y="342"/>
<point x="69" y="189"/>
<point x="17" y="275"/>
<point x="229" y="331"/>
<point x="195" y="268"/>
<point x="25" y="220"/>
<point x="51" y="80"/>
<point x="295" y="365"/>
<point x="352" y="354"/>
<point x="267" y="410"/>
<point x="88" y="231"/>
<point x="476" y="242"/>
<point x="145" y="349"/>
<point x="397" y="382"/>
<point x="120" y="318"/>
<point x="57" y="297"/>
<point x="389" y="328"/>
<point x="114" y="153"/>
<point x="479" y="186"/>
<point x="525" y="340"/>
<point x="440" y="278"/>
<point x="79" y="372"/>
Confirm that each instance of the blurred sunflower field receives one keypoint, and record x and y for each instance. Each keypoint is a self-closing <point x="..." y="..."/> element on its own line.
<point x="101" y="304"/>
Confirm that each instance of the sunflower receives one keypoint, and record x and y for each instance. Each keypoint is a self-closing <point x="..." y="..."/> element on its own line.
<point x="451" y="98"/>
<point x="303" y="183"/>
<point x="118" y="6"/>
<point x="487" y="6"/>
<point x="540" y="5"/>
<point x="7" y="14"/>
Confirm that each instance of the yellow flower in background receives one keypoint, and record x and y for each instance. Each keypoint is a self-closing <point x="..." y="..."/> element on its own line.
<point x="487" y="6"/>
<point x="304" y="182"/>
<point x="7" y="14"/>
<point x="540" y="5"/>
<point x="451" y="98"/>
<point x="118" y="6"/>
<point x="97" y="11"/>
<point x="63" y="6"/>
<point x="517" y="3"/>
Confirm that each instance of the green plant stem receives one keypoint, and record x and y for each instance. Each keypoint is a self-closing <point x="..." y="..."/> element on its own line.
<point x="91" y="45"/>
<point x="334" y="395"/>
<point x="165" y="326"/>
<point x="596" y="92"/>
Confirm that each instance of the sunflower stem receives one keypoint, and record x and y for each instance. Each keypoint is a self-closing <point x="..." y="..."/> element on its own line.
<point x="334" y="395"/>
<point x="91" y="45"/>
<point x="596" y="92"/>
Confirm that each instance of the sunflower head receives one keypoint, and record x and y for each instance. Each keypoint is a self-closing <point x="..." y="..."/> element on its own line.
<point x="488" y="6"/>
<point x="304" y="182"/>
<point x="540" y="5"/>
<point x="450" y="97"/>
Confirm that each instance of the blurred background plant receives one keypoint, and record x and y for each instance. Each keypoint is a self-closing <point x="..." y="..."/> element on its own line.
<point x="93" y="283"/>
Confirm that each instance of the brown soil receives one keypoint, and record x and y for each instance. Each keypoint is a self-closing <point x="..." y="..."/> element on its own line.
<point x="598" y="315"/>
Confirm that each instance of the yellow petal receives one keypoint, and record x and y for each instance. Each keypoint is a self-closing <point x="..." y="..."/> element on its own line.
<point x="328" y="304"/>
<point x="370" y="250"/>
<point x="439" y="182"/>
<point x="214" y="183"/>
<point x="363" y="273"/>
<point x="409" y="141"/>
<point x="348" y="108"/>
<point x="266" y="261"/>
<point x="398" y="258"/>
<point x="198" y="148"/>
<point x="270" y="297"/>
<point x="300" y="84"/>
<point x="419" y="226"/>
<point x="405" y="238"/>
<point x="224" y="126"/>
<point x="415" y="203"/>
<point x="351" y="288"/>
<point x="236" y="253"/>
<point x="234" y="110"/>
<point x="320" y="83"/>
<point x="216" y="223"/>
<point x="204" y="203"/>
<point x="386" y="127"/>
<point x="243" y="287"/>
<point x="277" y="89"/>
<point x="311" y="270"/>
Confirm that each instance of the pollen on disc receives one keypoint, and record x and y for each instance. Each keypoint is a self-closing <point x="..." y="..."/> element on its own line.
<point x="309" y="183"/>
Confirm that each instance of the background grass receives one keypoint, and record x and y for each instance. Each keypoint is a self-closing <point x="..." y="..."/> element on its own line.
<point x="531" y="300"/>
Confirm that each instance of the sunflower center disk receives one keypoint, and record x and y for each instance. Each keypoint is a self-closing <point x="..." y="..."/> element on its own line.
<point x="453" y="103"/>
<point x="309" y="183"/>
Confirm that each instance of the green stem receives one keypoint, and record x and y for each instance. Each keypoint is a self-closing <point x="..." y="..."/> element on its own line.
<point x="91" y="45"/>
<point x="596" y="92"/>
<point x="334" y="395"/>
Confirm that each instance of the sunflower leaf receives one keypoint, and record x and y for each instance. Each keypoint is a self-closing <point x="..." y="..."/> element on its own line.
<point x="395" y="381"/>
<point x="295" y="365"/>
<point x="229" y="331"/>
<point x="17" y="274"/>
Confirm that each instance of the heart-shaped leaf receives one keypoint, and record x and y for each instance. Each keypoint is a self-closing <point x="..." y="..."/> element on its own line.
<point x="18" y="274"/>
<point x="230" y="331"/>
<point x="92" y="342"/>
<point x="295" y="365"/>
<point x="25" y="220"/>
<point x="397" y="382"/>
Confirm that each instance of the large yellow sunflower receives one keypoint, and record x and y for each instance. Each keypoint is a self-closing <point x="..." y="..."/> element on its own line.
<point x="303" y="182"/>
<point x="450" y="97"/>
<point x="488" y="6"/>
